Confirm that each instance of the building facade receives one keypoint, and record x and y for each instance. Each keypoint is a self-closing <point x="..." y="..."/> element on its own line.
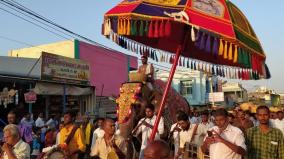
<point x="108" y="68"/>
<point x="263" y="95"/>
<point x="189" y="83"/>
<point x="234" y="93"/>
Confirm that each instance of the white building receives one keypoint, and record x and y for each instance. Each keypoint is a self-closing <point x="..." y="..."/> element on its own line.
<point x="234" y="93"/>
<point x="189" y="83"/>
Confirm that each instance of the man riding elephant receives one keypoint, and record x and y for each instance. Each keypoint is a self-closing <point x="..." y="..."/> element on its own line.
<point x="135" y="95"/>
<point x="147" y="70"/>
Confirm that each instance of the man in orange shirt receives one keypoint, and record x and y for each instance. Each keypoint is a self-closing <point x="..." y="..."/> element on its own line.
<point x="71" y="136"/>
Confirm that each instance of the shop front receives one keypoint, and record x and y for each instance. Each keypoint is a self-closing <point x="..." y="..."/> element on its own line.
<point x="51" y="84"/>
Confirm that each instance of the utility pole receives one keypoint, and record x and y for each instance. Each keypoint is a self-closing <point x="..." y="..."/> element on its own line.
<point x="30" y="104"/>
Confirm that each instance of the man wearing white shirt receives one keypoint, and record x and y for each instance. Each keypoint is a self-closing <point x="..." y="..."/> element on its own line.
<point x="224" y="141"/>
<point x="14" y="147"/>
<point x="174" y="133"/>
<point x="51" y="123"/>
<point x="279" y="122"/>
<point x="40" y="123"/>
<point x="186" y="133"/>
<point x="194" y="119"/>
<point x="98" y="132"/>
<point x="202" y="129"/>
<point x="145" y="126"/>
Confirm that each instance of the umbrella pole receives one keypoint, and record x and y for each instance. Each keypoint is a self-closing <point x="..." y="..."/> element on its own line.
<point x="163" y="102"/>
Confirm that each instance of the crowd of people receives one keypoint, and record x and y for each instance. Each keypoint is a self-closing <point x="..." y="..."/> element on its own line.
<point x="217" y="134"/>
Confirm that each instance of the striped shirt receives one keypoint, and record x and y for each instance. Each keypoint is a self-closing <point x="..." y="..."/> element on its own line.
<point x="268" y="145"/>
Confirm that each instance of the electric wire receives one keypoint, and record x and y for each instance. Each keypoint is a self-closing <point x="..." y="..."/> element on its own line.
<point x="33" y="23"/>
<point x="25" y="14"/>
<point x="32" y="13"/>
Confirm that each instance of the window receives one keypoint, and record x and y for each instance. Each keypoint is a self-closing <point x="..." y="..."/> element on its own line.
<point x="186" y="87"/>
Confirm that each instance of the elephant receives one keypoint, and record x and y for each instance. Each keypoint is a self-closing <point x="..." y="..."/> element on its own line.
<point x="131" y="103"/>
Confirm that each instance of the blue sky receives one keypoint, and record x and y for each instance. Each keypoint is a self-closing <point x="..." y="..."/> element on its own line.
<point x="85" y="17"/>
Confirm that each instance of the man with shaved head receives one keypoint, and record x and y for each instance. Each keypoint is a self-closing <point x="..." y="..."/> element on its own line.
<point x="157" y="150"/>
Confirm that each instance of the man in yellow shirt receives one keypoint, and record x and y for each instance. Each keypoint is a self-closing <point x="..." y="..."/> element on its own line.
<point x="76" y="144"/>
<point x="87" y="129"/>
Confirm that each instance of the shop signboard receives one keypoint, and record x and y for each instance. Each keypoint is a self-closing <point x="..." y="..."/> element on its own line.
<point x="215" y="97"/>
<point x="63" y="69"/>
<point x="30" y="97"/>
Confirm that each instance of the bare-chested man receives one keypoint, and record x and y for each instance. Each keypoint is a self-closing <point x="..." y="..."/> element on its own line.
<point x="147" y="70"/>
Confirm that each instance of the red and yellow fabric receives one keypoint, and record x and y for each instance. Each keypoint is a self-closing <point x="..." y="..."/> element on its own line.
<point x="214" y="17"/>
<point x="157" y="24"/>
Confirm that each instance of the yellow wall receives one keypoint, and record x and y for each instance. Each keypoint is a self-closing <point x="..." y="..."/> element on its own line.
<point x="63" y="48"/>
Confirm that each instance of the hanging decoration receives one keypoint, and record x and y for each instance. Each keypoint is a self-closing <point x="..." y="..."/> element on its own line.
<point x="8" y="97"/>
<point x="252" y="63"/>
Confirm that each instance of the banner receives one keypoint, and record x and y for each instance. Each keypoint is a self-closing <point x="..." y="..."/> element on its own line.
<point x="64" y="69"/>
<point x="215" y="97"/>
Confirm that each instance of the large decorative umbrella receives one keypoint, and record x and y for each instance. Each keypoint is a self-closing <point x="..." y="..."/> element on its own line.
<point x="210" y="35"/>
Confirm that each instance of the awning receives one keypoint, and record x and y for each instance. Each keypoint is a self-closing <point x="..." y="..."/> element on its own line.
<point x="57" y="89"/>
<point x="20" y="67"/>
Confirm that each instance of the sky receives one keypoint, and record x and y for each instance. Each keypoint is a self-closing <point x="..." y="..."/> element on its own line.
<point x="85" y="18"/>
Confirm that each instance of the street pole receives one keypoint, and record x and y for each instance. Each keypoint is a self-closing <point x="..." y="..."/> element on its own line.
<point x="30" y="104"/>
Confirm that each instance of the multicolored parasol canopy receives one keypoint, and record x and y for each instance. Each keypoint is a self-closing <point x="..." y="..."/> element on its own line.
<point x="222" y="40"/>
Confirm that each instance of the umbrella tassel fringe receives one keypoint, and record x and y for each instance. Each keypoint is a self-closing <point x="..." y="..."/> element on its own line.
<point x="141" y="28"/>
<point x="221" y="47"/>
<point x="156" y="31"/>
<point x="193" y="36"/>
<point x="252" y="66"/>
<point x="168" y="28"/>
<point x="128" y="27"/>
<point x="236" y="54"/>
<point x="230" y="52"/>
<point x="215" y="47"/>
<point x="208" y="44"/>
<point x="162" y="29"/>
<point x="202" y="42"/>
<point x="151" y="32"/>
<point x="226" y="50"/>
